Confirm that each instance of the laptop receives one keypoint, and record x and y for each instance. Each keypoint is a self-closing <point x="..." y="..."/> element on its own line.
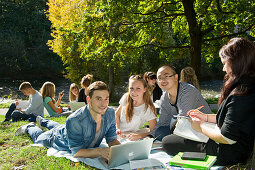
<point x="121" y="154"/>
<point x="76" y="105"/>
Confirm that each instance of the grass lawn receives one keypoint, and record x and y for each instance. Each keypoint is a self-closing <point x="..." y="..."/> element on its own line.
<point x="16" y="152"/>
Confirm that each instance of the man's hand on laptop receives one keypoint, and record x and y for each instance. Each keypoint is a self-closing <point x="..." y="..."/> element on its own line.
<point x="104" y="152"/>
<point x="133" y="136"/>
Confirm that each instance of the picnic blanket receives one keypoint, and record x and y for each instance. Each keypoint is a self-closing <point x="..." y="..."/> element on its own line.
<point x="157" y="159"/>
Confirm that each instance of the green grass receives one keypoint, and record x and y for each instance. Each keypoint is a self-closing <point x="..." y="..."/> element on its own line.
<point x="212" y="100"/>
<point x="16" y="152"/>
<point x="5" y="105"/>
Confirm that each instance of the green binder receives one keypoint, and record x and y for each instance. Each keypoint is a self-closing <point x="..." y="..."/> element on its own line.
<point x="206" y="164"/>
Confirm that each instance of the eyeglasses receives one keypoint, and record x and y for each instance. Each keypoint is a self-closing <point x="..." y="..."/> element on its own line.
<point x="153" y="77"/>
<point x="164" y="77"/>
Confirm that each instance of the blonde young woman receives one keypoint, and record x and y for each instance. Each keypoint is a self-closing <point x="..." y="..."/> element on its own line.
<point x="188" y="75"/>
<point x="136" y="108"/>
<point x="51" y="105"/>
<point x="85" y="82"/>
<point x="73" y="92"/>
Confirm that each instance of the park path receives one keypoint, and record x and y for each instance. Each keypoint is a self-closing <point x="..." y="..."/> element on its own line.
<point x="3" y="111"/>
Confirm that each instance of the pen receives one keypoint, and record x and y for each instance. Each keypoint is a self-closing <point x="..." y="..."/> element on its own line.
<point x="196" y="109"/>
<point x="199" y="108"/>
<point x="178" y="116"/>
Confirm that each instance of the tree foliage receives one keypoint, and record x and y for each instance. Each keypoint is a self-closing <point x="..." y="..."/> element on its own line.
<point x="24" y="31"/>
<point x="103" y="37"/>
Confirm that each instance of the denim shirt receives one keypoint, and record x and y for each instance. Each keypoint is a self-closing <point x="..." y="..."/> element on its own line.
<point x="80" y="130"/>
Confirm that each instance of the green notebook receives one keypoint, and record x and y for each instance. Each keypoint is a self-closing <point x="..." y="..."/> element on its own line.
<point x="206" y="164"/>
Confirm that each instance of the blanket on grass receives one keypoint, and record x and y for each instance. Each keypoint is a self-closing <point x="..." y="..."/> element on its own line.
<point x="157" y="159"/>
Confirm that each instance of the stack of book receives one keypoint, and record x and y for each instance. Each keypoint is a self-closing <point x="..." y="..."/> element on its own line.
<point x="205" y="164"/>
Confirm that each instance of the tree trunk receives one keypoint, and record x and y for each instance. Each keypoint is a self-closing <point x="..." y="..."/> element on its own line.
<point x="195" y="35"/>
<point x="110" y="77"/>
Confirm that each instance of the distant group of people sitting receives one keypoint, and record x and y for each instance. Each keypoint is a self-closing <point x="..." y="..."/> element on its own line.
<point x="85" y="129"/>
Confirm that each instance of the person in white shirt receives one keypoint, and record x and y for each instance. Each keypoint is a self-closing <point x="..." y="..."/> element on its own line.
<point x="34" y="108"/>
<point x="135" y="109"/>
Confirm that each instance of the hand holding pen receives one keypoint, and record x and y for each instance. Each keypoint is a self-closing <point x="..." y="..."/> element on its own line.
<point x="197" y="114"/>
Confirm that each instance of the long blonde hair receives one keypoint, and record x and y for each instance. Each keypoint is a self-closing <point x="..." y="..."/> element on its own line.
<point x="72" y="97"/>
<point x="188" y="75"/>
<point x="129" y="110"/>
<point x="48" y="90"/>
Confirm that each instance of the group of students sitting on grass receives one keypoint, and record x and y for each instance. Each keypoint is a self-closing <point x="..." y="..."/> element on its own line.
<point x="232" y="141"/>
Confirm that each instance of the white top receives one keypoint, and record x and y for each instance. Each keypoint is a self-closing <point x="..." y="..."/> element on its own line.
<point x="141" y="116"/>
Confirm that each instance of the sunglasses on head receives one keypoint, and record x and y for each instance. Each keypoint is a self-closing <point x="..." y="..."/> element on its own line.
<point x="153" y="77"/>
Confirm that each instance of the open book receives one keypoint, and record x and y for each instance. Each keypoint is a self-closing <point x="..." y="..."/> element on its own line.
<point x="183" y="128"/>
<point x="22" y="105"/>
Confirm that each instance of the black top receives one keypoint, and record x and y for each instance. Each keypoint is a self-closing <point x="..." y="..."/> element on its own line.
<point x="157" y="93"/>
<point x="82" y="97"/>
<point x="236" y="119"/>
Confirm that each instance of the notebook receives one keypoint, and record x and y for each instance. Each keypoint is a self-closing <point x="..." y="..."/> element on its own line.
<point x="76" y="105"/>
<point x="121" y="154"/>
<point x="22" y="105"/>
<point x="184" y="129"/>
<point x="194" y="164"/>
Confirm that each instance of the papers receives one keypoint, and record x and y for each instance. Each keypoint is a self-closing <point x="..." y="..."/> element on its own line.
<point x="157" y="145"/>
<point x="183" y="128"/>
<point x="22" y="105"/>
<point x="157" y="104"/>
<point x="147" y="163"/>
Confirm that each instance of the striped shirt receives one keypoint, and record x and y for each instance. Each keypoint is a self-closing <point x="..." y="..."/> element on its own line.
<point x="188" y="98"/>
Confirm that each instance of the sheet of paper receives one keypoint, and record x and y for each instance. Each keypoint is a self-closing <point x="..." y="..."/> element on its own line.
<point x="183" y="128"/>
<point x="22" y="105"/>
<point x="146" y="163"/>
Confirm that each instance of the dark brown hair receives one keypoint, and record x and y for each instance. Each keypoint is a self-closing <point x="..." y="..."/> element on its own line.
<point x="169" y="66"/>
<point x="239" y="53"/>
<point x="86" y="80"/>
<point x="25" y="85"/>
<point x="98" y="85"/>
<point x="148" y="75"/>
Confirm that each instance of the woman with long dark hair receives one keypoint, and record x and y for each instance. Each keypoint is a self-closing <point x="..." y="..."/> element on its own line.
<point x="233" y="139"/>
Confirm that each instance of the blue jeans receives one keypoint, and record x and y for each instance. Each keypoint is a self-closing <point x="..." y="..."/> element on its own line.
<point x="40" y="137"/>
<point x="163" y="131"/>
<point x="16" y="115"/>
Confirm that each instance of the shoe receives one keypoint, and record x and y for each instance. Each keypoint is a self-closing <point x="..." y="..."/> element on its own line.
<point x="6" y="121"/>
<point x="22" y="130"/>
<point x="38" y="121"/>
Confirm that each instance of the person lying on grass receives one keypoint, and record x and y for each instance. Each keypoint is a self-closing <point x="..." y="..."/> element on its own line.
<point x="84" y="129"/>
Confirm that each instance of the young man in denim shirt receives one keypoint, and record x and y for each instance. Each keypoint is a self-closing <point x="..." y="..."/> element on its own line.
<point x="84" y="129"/>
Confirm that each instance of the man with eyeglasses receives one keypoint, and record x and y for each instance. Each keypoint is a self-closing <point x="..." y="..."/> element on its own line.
<point x="178" y="98"/>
